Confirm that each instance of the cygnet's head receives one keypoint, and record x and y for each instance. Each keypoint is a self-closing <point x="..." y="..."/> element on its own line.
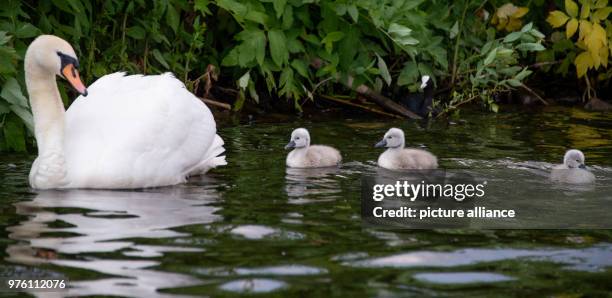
<point x="55" y="56"/>
<point x="425" y="81"/>
<point x="394" y="138"/>
<point x="300" y="138"/>
<point x="574" y="159"/>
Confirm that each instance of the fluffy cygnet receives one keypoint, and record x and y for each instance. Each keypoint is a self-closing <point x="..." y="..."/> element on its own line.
<point x="396" y="157"/>
<point x="572" y="170"/>
<point x="304" y="155"/>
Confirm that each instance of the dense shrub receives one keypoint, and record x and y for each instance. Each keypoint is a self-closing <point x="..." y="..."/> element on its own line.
<point x="282" y="49"/>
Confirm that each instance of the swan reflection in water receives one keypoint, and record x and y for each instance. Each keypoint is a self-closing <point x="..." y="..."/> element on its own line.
<point x="103" y="222"/>
<point x="312" y="185"/>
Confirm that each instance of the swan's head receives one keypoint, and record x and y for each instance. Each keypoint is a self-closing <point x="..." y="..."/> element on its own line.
<point x="54" y="55"/>
<point x="425" y="81"/>
<point x="574" y="159"/>
<point x="300" y="138"/>
<point x="394" y="138"/>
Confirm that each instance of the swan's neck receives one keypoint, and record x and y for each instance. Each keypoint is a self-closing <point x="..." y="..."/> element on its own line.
<point x="47" y="110"/>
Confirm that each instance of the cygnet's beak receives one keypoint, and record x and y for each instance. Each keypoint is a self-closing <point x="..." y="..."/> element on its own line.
<point x="291" y="145"/>
<point x="582" y="166"/>
<point x="381" y="144"/>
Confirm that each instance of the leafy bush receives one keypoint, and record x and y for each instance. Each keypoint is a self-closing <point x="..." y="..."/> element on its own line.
<point x="291" y="49"/>
<point x="587" y="39"/>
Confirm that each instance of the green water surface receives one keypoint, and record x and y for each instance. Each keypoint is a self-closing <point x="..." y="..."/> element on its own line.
<point x="254" y="227"/>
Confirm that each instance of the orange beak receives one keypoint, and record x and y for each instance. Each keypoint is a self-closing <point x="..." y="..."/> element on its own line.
<point x="72" y="76"/>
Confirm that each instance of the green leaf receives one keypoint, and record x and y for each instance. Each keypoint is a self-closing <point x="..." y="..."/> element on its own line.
<point x="409" y="74"/>
<point x="301" y="67"/>
<point x="14" y="134"/>
<point x="231" y="59"/>
<point x="439" y="56"/>
<point x="11" y="91"/>
<point x="135" y="32"/>
<point x="27" y="30"/>
<point x="288" y="17"/>
<point x="454" y="30"/>
<point x="253" y="93"/>
<point x="4" y="38"/>
<point x="25" y="115"/>
<point x="330" y="38"/>
<point x="523" y="74"/>
<point x="240" y="101"/>
<point x="279" y="7"/>
<point x="4" y="108"/>
<point x="173" y="18"/>
<point x="243" y="82"/>
<point x="158" y="56"/>
<point x="399" y="30"/>
<point x="278" y="47"/>
<point x="531" y="47"/>
<point x="288" y="87"/>
<point x="384" y="71"/>
<point x="401" y="35"/>
<point x="239" y="9"/>
<point x="257" y="17"/>
<point x="490" y="57"/>
<point x="202" y="6"/>
<point x="494" y="107"/>
<point x="353" y="12"/>
<point x="513" y="36"/>
<point x="514" y="83"/>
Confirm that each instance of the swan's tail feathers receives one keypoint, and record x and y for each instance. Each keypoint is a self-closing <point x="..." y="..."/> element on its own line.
<point x="213" y="157"/>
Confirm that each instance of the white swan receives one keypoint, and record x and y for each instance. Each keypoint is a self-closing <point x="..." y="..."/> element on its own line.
<point x="304" y="155"/>
<point x="572" y="170"/>
<point x="123" y="132"/>
<point x="396" y="157"/>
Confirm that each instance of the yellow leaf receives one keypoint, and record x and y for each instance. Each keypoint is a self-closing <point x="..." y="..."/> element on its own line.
<point x="585" y="29"/>
<point x="601" y="3"/>
<point x="557" y="18"/>
<point x="494" y="19"/>
<point x="506" y="10"/>
<point x="596" y="59"/>
<point x="520" y="12"/>
<point x="583" y="62"/>
<point x="586" y="10"/>
<point x="502" y="23"/>
<point x="514" y="24"/>
<point x="571" y="8"/>
<point x="571" y="28"/>
<point x="603" y="53"/>
<point x="602" y="13"/>
<point x="599" y="34"/>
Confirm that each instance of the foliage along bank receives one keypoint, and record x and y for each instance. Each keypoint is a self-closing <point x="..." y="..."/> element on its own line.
<point x="295" y="50"/>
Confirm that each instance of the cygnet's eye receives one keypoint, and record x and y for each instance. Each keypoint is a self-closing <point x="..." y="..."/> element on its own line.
<point x="297" y="138"/>
<point x="389" y="137"/>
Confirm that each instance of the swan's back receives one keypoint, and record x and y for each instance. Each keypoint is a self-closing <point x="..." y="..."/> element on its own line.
<point x="564" y="174"/>
<point x="407" y="159"/>
<point x="139" y="131"/>
<point x="314" y="156"/>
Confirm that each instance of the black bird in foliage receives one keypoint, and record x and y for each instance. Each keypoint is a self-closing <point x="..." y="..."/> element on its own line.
<point x="421" y="103"/>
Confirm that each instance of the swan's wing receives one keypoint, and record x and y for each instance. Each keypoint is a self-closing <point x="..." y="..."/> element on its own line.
<point x="139" y="131"/>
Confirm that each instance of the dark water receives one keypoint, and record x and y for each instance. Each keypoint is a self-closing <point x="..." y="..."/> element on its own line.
<point x="256" y="227"/>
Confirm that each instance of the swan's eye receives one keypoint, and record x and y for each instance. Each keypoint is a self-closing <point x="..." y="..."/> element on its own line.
<point x="389" y="137"/>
